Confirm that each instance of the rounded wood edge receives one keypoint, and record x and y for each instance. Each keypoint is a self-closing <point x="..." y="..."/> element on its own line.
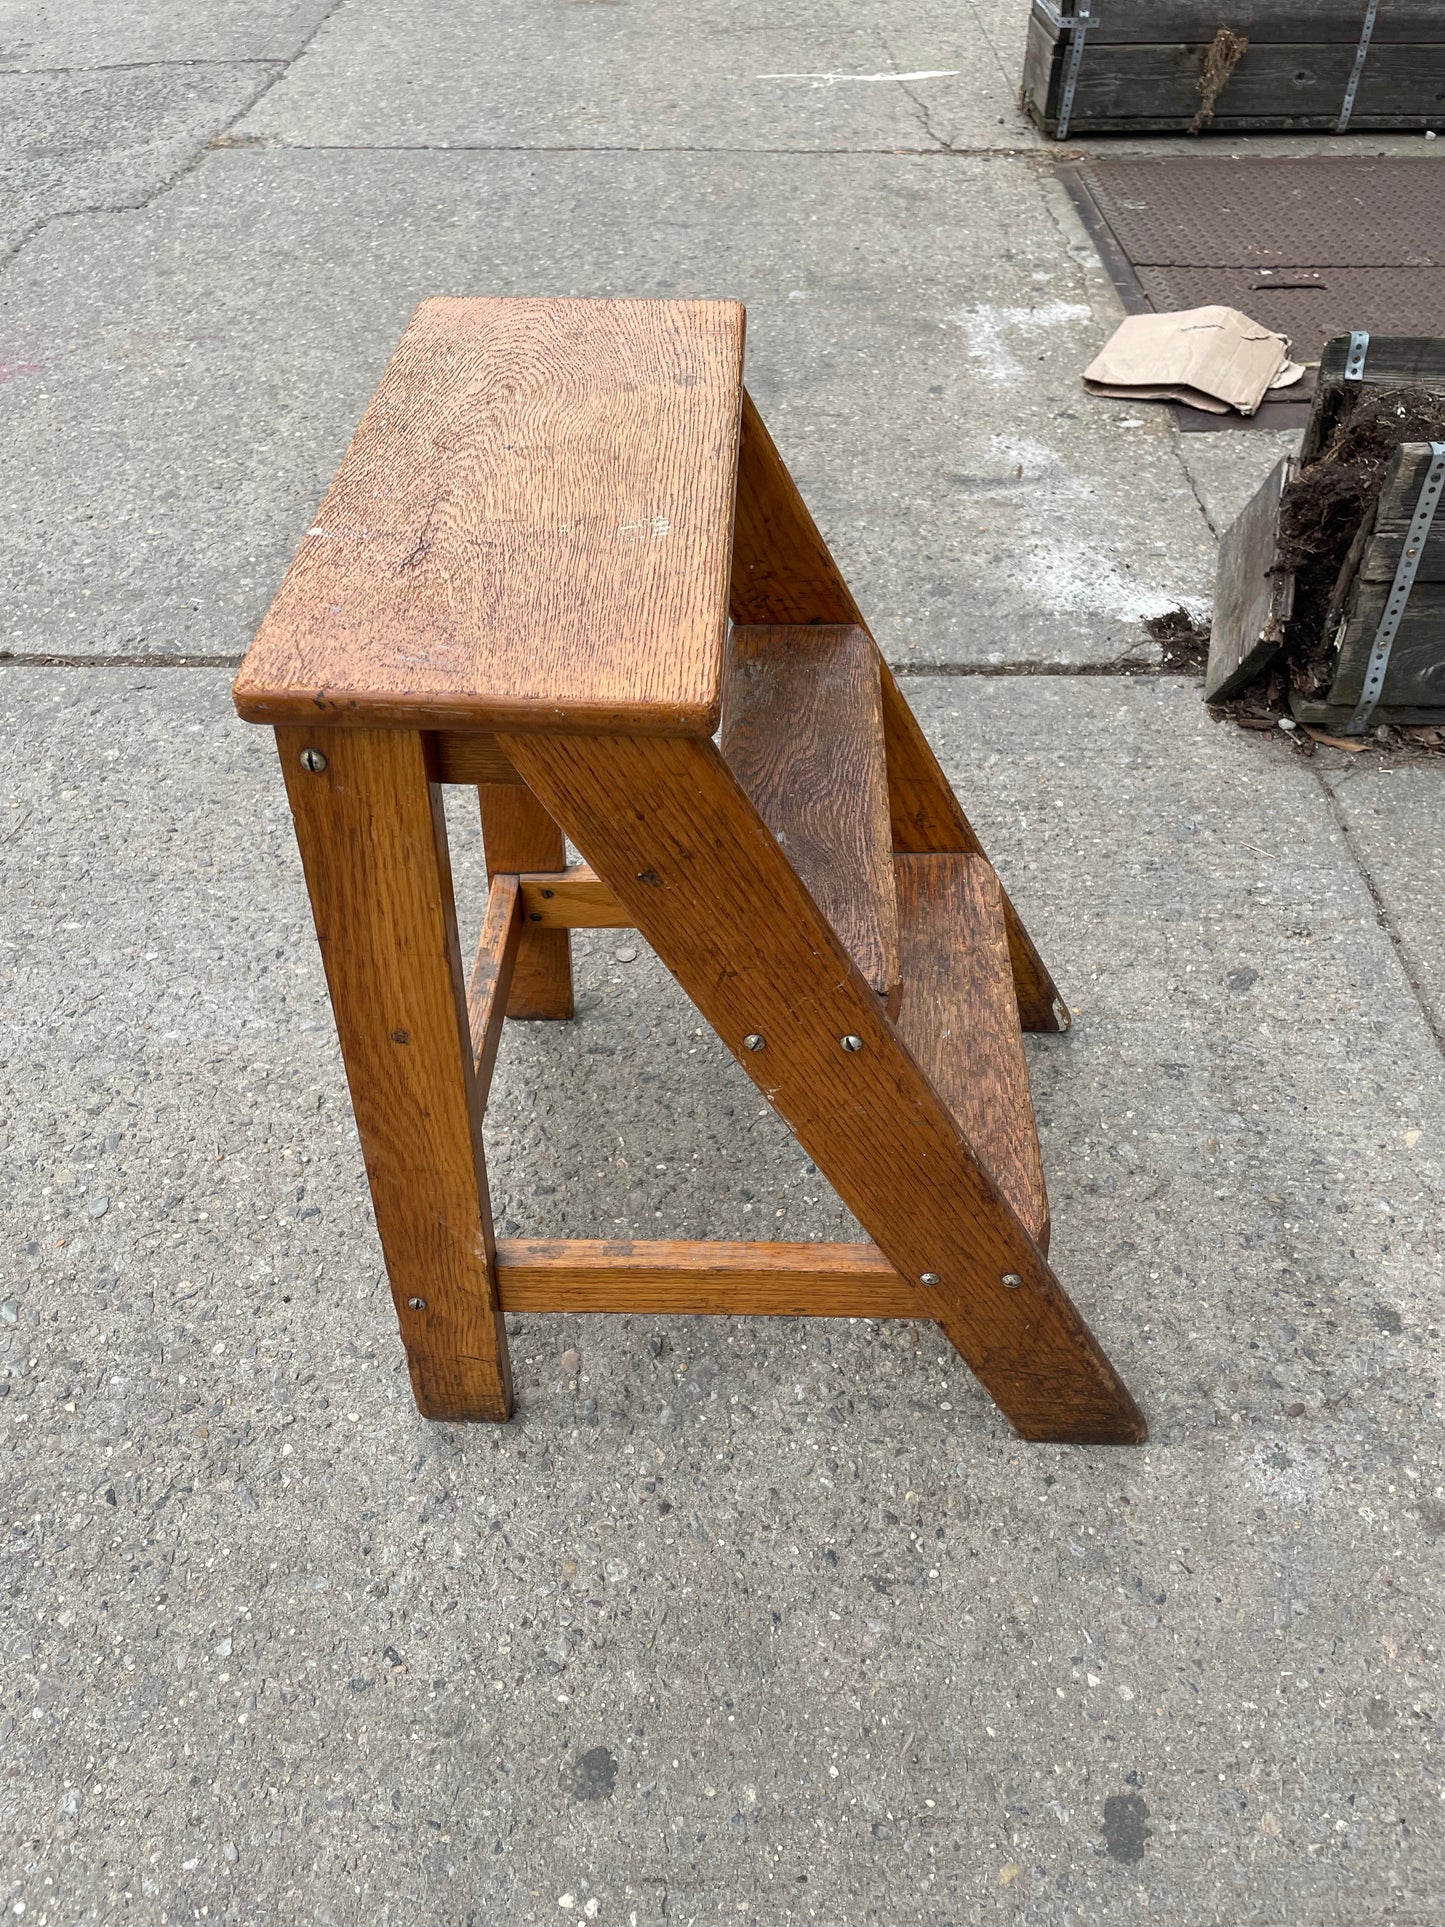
<point x="323" y="709"/>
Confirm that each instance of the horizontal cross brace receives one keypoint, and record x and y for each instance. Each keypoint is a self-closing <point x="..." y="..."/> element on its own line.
<point x="571" y="899"/>
<point x="671" y="1276"/>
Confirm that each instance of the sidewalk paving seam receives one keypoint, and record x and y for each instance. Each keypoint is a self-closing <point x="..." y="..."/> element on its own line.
<point x="269" y="144"/>
<point x="910" y="670"/>
<point x="1401" y="948"/>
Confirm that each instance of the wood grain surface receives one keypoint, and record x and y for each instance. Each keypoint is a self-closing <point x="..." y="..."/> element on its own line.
<point x="518" y="835"/>
<point x="1385" y="537"/>
<point x="1391" y="361"/>
<point x="470" y="757"/>
<point x="491" y="977"/>
<point x="1264" y="21"/>
<point x="1126" y="85"/>
<point x="532" y="526"/>
<point x="1415" y="674"/>
<point x="669" y="827"/>
<point x="803" y="733"/>
<point x="1253" y="592"/>
<point x="373" y="846"/>
<point x="783" y="572"/>
<point x="742" y="1280"/>
<point x="572" y="899"/>
<point x="960" y="1019"/>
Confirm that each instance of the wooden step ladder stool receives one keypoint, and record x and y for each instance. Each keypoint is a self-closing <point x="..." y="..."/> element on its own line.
<point x="523" y="578"/>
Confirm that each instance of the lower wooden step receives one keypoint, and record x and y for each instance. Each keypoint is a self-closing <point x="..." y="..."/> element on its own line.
<point x="960" y="1020"/>
<point x="803" y="733"/>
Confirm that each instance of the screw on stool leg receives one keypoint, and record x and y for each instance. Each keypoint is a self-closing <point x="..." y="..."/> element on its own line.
<point x="313" y="760"/>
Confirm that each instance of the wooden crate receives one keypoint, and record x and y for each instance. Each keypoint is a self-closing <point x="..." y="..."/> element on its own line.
<point x="1351" y="365"/>
<point x="1386" y="671"/>
<point x="1135" y="66"/>
<point x="1376" y="608"/>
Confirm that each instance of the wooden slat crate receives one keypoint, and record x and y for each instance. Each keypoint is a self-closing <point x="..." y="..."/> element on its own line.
<point x="1381" y="361"/>
<point x="1412" y="689"/>
<point x="1137" y="66"/>
<point x="1386" y="623"/>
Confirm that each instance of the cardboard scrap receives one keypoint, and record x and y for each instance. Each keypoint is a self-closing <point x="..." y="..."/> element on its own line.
<point x="1212" y="358"/>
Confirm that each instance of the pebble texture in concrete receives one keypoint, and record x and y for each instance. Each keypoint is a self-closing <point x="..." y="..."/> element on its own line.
<point x="198" y="369"/>
<point x="876" y="75"/>
<point x="743" y="1620"/>
<point x="38" y="34"/>
<point x="118" y="33"/>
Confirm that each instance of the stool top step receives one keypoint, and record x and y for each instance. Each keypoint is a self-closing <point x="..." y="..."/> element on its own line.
<point x="531" y="530"/>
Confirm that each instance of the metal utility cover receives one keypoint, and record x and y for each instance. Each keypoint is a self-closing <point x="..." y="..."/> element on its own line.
<point x="1310" y="248"/>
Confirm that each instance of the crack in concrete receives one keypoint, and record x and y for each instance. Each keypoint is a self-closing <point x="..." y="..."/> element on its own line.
<point x="1403" y="953"/>
<point x="279" y="67"/>
<point x="920" y="111"/>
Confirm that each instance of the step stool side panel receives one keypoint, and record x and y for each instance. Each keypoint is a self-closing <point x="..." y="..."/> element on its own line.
<point x="669" y="828"/>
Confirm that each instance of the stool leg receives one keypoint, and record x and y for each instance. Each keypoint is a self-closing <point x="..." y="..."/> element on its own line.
<point x="518" y="834"/>
<point x="373" y="845"/>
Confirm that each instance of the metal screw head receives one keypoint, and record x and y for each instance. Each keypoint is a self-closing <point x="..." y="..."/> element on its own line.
<point x="850" y="1042"/>
<point x="416" y="1304"/>
<point x="313" y="760"/>
<point x="1061" y="1014"/>
<point x="928" y="1277"/>
<point x="755" y="1041"/>
<point x="1011" y="1280"/>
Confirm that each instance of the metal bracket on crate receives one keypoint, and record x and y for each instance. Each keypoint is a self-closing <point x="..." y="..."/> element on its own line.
<point x="1355" y="358"/>
<point x="1348" y="105"/>
<point x="1399" y="598"/>
<point x="1076" y="26"/>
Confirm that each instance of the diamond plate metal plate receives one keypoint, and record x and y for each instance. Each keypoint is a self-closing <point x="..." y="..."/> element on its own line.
<point x="1182" y="212"/>
<point x="1390" y="301"/>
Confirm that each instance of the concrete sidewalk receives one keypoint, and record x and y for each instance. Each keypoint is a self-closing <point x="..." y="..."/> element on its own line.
<point x="738" y="1621"/>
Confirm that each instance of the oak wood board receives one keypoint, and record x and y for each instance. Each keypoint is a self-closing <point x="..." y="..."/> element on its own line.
<point x="518" y="835"/>
<point x="960" y="1020"/>
<point x="531" y="526"/>
<point x="802" y="731"/>
<point x="784" y="572"/>
<point x="668" y="1276"/>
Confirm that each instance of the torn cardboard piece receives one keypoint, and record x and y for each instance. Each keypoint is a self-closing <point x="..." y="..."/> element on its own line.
<point x="1212" y="358"/>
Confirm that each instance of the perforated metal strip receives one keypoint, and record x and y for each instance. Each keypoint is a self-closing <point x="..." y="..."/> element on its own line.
<point x="1399" y="597"/>
<point x="1078" y="23"/>
<point x="1348" y="105"/>
<point x="1355" y="355"/>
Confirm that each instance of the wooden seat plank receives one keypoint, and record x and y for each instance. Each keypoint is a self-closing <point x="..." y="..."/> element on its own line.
<point x="533" y="526"/>
<point x="803" y="734"/>
<point x="960" y="1020"/>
